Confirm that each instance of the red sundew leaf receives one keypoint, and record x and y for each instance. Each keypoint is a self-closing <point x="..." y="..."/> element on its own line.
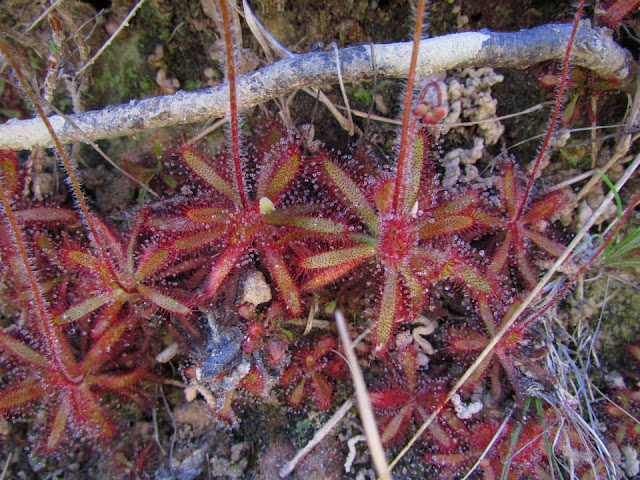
<point x="274" y="178"/>
<point x="163" y="301"/>
<point x="515" y="248"/>
<point x="19" y="395"/>
<point x="355" y="197"/>
<point x="9" y="172"/>
<point x="308" y="223"/>
<point x="87" y="307"/>
<point x="20" y="350"/>
<point x="57" y="427"/>
<point x="105" y="347"/>
<point x="526" y="269"/>
<point x="387" y="314"/>
<point x="413" y="171"/>
<point x="397" y="427"/>
<point x="334" y="368"/>
<point x="195" y="263"/>
<point x="84" y="259"/>
<point x="112" y="242"/>
<point x="284" y="281"/>
<point x="297" y="394"/>
<point x="89" y="412"/>
<point x="545" y="207"/>
<point x="464" y="340"/>
<point x="617" y="11"/>
<point x="409" y="368"/>
<point x="339" y="257"/>
<point x="108" y="316"/>
<point x="453" y="264"/>
<point x="470" y="276"/>
<point x="65" y="354"/>
<point x="509" y="190"/>
<point x="152" y="260"/>
<point x="254" y="383"/>
<point x="322" y="391"/>
<point x="275" y="133"/>
<point x="413" y="287"/>
<point x="52" y="215"/>
<point x="199" y="239"/>
<point x="383" y="195"/>
<point x="207" y="173"/>
<point x="447" y="460"/>
<point x="442" y="436"/>
<point x="322" y="347"/>
<point x="276" y="351"/>
<point x="501" y="255"/>
<point x="550" y="246"/>
<point x="207" y="215"/>
<point x="290" y="375"/>
<point x="223" y="266"/>
<point x="169" y="223"/>
<point x="391" y="399"/>
<point x="115" y="382"/>
<point x="330" y="275"/>
<point x="459" y="215"/>
<point x="446" y="226"/>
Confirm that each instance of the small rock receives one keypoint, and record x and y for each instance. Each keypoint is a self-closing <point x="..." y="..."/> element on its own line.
<point x="255" y="289"/>
<point x="583" y="214"/>
<point x="630" y="463"/>
<point x="195" y="414"/>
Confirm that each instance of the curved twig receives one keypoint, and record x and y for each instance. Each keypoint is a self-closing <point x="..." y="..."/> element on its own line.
<point x="594" y="49"/>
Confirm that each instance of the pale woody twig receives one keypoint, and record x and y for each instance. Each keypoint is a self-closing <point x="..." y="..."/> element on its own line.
<point x="42" y="16"/>
<point x="595" y="50"/>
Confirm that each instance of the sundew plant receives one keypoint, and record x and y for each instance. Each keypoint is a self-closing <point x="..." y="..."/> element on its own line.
<point x="219" y="280"/>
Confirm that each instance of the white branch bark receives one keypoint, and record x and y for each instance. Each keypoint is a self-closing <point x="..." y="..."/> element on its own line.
<point x="594" y="49"/>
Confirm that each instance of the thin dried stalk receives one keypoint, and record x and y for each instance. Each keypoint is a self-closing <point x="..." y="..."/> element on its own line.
<point x="290" y="466"/>
<point x="364" y="403"/>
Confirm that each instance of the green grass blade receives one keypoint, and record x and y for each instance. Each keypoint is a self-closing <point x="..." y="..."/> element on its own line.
<point x="615" y="192"/>
<point x="553" y="462"/>
<point x="514" y="441"/>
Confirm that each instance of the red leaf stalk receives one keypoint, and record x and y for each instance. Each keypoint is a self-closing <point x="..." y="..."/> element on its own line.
<point x="46" y="323"/>
<point x="556" y="108"/>
<point x="233" y="105"/>
<point x="75" y="184"/>
<point x="406" y="132"/>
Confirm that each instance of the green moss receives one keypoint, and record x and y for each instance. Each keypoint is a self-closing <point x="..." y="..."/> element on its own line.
<point x="124" y="73"/>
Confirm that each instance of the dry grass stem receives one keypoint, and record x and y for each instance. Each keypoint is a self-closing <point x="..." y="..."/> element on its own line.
<point x="622" y="146"/>
<point x="106" y="44"/>
<point x="364" y="403"/>
<point x="290" y="466"/>
<point x="6" y="466"/>
<point x="42" y="16"/>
